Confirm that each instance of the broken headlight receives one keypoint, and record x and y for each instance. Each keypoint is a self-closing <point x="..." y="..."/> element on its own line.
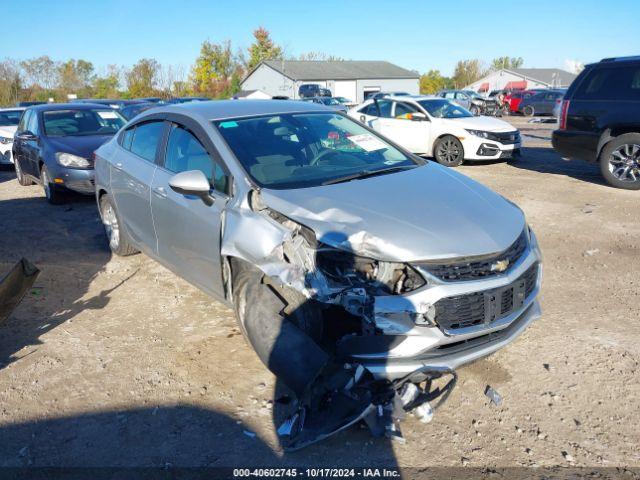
<point x="384" y="278"/>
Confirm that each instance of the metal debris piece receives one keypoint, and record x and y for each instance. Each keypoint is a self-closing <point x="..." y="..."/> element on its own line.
<point x="249" y="433"/>
<point x="424" y="412"/>
<point x="493" y="395"/>
<point x="15" y="285"/>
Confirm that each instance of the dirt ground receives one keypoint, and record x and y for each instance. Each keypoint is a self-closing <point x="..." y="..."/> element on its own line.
<point x="117" y="362"/>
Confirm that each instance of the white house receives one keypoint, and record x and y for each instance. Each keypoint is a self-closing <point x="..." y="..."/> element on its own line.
<point x="251" y="95"/>
<point x="354" y="80"/>
<point x="522" y="79"/>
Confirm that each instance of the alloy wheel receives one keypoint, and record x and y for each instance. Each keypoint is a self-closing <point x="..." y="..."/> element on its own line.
<point x="448" y="151"/>
<point x="45" y="183"/>
<point x="111" y="226"/>
<point x="624" y="162"/>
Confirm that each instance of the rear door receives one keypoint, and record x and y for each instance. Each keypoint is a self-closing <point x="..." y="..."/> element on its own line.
<point x="187" y="227"/>
<point x="132" y="170"/>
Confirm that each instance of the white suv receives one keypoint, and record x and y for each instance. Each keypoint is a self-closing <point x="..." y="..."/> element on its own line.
<point x="437" y="127"/>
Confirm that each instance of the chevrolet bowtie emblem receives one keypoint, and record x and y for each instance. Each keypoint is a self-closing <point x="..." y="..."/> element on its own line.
<point x="500" y="265"/>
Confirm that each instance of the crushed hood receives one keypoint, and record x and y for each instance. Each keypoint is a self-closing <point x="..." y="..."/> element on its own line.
<point x="488" y="124"/>
<point x="429" y="212"/>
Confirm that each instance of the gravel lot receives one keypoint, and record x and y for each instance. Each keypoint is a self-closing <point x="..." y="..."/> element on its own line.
<point x="117" y="362"/>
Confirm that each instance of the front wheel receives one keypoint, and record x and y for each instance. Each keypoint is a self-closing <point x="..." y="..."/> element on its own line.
<point x="448" y="151"/>
<point x="528" y="111"/>
<point x="53" y="195"/>
<point x="620" y="162"/>
<point x="475" y="110"/>
<point x="118" y="241"/>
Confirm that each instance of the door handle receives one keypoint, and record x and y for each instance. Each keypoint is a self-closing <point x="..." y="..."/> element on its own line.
<point x="118" y="166"/>
<point x="159" y="192"/>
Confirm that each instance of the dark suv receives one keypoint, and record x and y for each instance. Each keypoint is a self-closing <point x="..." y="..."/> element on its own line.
<point x="308" y="90"/>
<point x="600" y="120"/>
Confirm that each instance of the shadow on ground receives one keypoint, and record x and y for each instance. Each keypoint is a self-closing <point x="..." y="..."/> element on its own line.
<point x="67" y="243"/>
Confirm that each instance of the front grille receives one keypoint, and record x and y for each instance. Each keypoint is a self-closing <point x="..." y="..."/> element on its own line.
<point x="506" y="138"/>
<point x="473" y="269"/>
<point x="483" y="308"/>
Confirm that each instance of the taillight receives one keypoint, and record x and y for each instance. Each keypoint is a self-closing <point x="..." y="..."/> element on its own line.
<point x="563" y="114"/>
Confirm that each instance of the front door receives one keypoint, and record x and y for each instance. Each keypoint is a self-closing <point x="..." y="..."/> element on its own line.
<point x="414" y="135"/>
<point x="132" y="171"/>
<point x="188" y="228"/>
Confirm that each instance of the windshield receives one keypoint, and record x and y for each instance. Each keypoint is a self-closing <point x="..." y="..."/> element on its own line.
<point x="10" y="118"/>
<point x="442" y="108"/>
<point x="330" y="101"/>
<point x="62" y="123"/>
<point x="308" y="149"/>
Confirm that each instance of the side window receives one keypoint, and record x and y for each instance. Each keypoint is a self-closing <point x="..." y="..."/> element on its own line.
<point x="610" y="83"/>
<point x="370" y="109"/>
<point x="32" y="123"/>
<point x="127" y="137"/>
<point x="403" y="110"/>
<point x="449" y="95"/>
<point x="461" y="96"/>
<point x="185" y="153"/>
<point x="385" y="108"/>
<point x="146" y="138"/>
<point x="24" y="120"/>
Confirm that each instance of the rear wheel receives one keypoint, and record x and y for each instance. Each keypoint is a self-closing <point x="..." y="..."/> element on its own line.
<point x="54" y="196"/>
<point x="22" y="178"/>
<point x="118" y="240"/>
<point x="448" y="151"/>
<point x="620" y="162"/>
<point x="528" y="111"/>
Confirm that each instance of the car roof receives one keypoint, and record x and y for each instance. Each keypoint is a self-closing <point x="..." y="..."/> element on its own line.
<point x="67" y="106"/>
<point x="220" y="109"/>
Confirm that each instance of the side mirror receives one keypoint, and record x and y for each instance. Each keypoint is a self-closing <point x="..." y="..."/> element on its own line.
<point x="192" y="182"/>
<point x="418" y="117"/>
<point x="27" y="136"/>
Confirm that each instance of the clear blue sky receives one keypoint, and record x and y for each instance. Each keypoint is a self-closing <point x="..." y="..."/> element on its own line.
<point x="418" y="35"/>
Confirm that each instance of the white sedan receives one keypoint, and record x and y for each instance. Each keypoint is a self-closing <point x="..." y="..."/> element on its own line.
<point x="9" y="118"/>
<point x="439" y="128"/>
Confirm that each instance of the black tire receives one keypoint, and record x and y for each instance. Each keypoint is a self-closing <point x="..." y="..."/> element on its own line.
<point x="22" y="178"/>
<point x="622" y="153"/>
<point x="53" y="195"/>
<point x="252" y="296"/>
<point x="119" y="242"/>
<point x="475" y="110"/>
<point x="528" y="111"/>
<point x="448" y="151"/>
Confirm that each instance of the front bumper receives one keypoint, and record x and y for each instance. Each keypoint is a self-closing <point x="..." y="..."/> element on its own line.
<point x="478" y="148"/>
<point x="75" y="179"/>
<point x="406" y="346"/>
<point x="6" y="157"/>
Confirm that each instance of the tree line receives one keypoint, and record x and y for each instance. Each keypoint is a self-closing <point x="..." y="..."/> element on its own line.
<point x="216" y="73"/>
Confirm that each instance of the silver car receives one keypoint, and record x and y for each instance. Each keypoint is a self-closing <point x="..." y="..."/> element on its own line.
<point x="325" y="237"/>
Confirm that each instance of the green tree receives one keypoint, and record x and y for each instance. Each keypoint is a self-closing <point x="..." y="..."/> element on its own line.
<point x="263" y="48"/>
<point x="142" y="78"/>
<point x="432" y="81"/>
<point x="215" y="64"/>
<point x="506" y="62"/>
<point x="10" y="82"/>
<point x="75" y="76"/>
<point x="467" y="71"/>
<point x="106" y="86"/>
<point x="40" y="76"/>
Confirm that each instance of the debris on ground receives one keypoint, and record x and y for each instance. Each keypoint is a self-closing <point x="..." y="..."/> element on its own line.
<point x="493" y="395"/>
<point x="15" y="285"/>
<point x="591" y="253"/>
<point x="543" y="120"/>
<point x="568" y="457"/>
<point x="249" y="433"/>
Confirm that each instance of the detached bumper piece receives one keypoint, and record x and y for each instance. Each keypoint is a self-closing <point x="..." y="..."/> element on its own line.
<point x="15" y="285"/>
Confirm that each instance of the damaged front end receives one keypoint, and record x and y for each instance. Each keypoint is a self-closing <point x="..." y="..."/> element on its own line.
<point x="351" y="332"/>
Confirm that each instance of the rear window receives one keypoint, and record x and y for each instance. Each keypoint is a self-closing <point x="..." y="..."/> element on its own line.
<point x="610" y="83"/>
